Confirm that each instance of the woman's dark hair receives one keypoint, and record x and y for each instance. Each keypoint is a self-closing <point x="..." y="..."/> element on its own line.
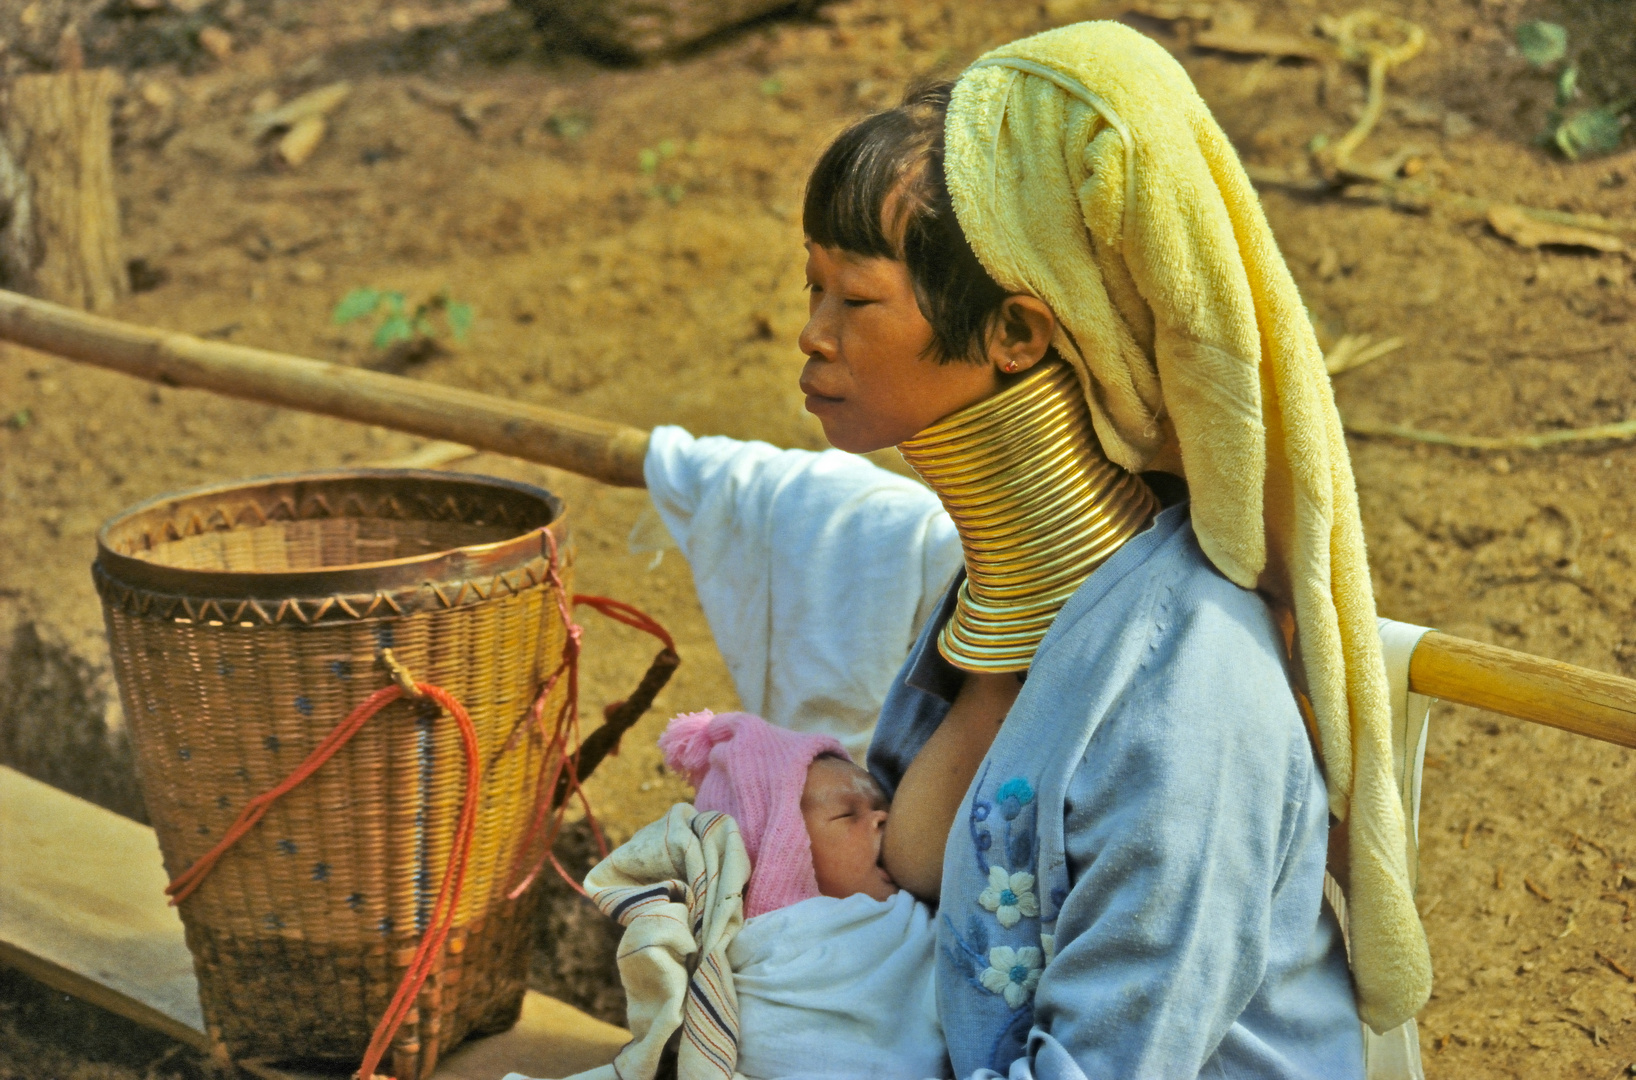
<point x="891" y="163"/>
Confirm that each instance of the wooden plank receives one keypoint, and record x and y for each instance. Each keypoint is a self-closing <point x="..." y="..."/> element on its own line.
<point x="82" y="909"/>
<point x="551" y="1039"/>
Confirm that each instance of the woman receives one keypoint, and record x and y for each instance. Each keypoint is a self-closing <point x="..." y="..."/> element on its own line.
<point x="1100" y="768"/>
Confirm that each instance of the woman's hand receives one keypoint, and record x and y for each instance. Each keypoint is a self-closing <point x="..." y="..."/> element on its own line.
<point x="936" y="781"/>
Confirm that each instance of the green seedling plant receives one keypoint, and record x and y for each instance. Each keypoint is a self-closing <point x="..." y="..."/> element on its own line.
<point x="569" y="125"/>
<point x="1577" y="131"/>
<point x="417" y="328"/>
<point x="650" y="161"/>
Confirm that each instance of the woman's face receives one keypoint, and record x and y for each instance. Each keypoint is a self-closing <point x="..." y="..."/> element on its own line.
<point x="869" y="378"/>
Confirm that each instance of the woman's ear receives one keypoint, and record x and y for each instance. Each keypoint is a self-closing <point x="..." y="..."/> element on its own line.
<point x="1021" y="333"/>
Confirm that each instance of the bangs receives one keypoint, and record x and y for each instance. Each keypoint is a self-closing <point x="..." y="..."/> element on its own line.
<point x="850" y="187"/>
<point x="879" y="192"/>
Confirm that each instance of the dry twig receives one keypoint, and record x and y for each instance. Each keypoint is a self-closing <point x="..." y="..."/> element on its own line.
<point x="1381" y="42"/>
<point x="1356" y="350"/>
<point x="1616" y="966"/>
<point x="1528" y="883"/>
<point x="1624" y="429"/>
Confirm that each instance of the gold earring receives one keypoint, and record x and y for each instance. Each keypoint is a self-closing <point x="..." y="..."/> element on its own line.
<point x="1010" y="367"/>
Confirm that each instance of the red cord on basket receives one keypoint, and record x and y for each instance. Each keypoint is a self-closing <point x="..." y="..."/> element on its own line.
<point x="565" y="732"/>
<point x="454" y="876"/>
<point x="563" y="739"/>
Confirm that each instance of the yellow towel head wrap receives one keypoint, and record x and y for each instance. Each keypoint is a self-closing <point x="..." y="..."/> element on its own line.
<point x="1086" y="170"/>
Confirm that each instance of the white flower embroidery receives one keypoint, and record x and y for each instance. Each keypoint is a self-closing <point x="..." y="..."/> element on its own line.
<point x="1009" y="896"/>
<point x="1048" y="943"/>
<point x="1012" y="973"/>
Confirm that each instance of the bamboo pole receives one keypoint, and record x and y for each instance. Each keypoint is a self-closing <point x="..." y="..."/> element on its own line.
<point x="1525" y="686"/>
<point x="600" y="449"/>
<point x="1516" y="684"/>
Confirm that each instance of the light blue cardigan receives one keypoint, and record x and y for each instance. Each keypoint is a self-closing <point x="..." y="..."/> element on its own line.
<point x="1133" y="887"/>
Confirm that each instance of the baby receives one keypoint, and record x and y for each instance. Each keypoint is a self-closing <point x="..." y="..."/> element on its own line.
<point x="832" y="968"/>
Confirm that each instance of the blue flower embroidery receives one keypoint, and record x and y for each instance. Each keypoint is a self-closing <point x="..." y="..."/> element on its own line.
<point x="1002" y="826"/>
<point x="1014" y="794"/>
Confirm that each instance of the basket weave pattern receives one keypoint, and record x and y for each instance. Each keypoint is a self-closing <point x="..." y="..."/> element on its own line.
<point x="303" y="930"/>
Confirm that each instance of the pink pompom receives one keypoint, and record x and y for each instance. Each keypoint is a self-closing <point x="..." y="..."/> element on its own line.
<point x="686" y="744"/>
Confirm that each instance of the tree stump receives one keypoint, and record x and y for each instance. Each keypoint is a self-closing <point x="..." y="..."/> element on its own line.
<point x="644" y="28"/>
<point x="59" y="218"/>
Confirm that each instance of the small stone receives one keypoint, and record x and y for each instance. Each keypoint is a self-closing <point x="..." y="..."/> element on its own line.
<point x="1501" y="465"/>
<point x="301" y="141"/>
<point x="264" y="102"/>
<point x="217" y="42"/>
<point x="158" y="95"/>
<point x="308" y="273"/>
<point x="1458" y="125"/>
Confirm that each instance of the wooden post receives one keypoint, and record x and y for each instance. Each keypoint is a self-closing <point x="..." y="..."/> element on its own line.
<point x="59" y="218"/>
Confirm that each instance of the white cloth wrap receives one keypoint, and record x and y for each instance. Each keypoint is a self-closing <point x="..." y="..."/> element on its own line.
<point x="1395" y="1055"/>
<point x="832" y="988"/>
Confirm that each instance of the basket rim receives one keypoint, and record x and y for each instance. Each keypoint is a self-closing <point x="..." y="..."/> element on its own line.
<point x="446" y="566"/>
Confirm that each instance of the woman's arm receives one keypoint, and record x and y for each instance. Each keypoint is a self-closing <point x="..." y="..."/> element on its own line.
<point x="815" y="571"/>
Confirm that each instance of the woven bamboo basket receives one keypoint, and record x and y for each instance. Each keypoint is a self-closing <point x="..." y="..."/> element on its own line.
<point x="246" y="621"/>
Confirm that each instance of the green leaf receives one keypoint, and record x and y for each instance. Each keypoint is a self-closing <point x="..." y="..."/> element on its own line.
<point x="666" y="148"/>
<point x="356" y="304"/>
<point x="1542" y="43"/>
<point x="393" y="328"/>
<point x="648" y="161"/>
<point x="394" y="302"/>
<point x="772" y="87"/>
<point x="1590" y="133"/>
<point x="570" y="125"/>
<point x="20" y="419"/>
<point x="1567" y="86"/>
<point x="460" y="318"/>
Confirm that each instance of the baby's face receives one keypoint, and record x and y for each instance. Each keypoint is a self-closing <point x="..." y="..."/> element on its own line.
<point x="845" y="812"/>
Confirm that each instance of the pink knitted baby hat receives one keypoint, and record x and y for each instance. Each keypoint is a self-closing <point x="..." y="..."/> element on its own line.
<point x="744" y="766"/>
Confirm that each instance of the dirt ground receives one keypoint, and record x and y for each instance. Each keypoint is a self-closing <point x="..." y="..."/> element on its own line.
<point x="629" y="238"/>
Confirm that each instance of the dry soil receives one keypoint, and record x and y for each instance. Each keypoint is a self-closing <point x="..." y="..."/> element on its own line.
<point x="484" y="156"/>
